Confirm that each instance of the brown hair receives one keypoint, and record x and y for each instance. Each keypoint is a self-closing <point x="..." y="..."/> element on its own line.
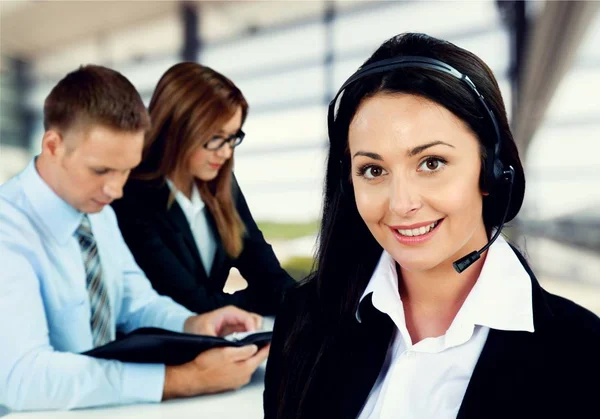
<point x="94" y="94"/>
<point x="190" y="104"/>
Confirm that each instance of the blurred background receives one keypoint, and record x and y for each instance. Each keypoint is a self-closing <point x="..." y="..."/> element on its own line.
<point x="289" y="58"/>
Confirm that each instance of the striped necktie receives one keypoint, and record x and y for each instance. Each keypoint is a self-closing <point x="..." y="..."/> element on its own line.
<point x="101" y="324"/>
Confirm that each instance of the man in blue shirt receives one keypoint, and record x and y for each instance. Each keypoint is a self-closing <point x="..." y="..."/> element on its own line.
<point x="68" y="282"/>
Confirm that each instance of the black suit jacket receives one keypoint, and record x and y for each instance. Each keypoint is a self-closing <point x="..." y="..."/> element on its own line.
<point x="551" y="373"/>
<point x="162" y="243"/>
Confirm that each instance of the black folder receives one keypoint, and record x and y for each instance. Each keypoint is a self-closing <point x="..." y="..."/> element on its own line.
<point x="159" y="346"/>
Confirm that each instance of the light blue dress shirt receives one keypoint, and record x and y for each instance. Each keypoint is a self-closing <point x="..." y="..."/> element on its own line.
<point x="45" y="311"/>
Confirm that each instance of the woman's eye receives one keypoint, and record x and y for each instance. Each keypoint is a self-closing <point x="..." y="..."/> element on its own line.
<point x="432" y="164"/>
<point x="371" y="172"/>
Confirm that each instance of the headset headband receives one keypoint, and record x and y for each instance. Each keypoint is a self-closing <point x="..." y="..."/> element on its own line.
<point x="395" y="63"/>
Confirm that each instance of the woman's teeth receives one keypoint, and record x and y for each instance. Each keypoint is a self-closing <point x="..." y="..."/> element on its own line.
<point x="418" y="231"/>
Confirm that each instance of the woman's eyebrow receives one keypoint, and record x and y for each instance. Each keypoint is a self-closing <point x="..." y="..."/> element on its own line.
<point x="373" y="156"/>
<point x="419" y="149"/>
<point x="221" y="131"/>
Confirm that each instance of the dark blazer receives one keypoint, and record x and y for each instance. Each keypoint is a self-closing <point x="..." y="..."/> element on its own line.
<point x="162" y="243"/>
<point x="551" y="373"/>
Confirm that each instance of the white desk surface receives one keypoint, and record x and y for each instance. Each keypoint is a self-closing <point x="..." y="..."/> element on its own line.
<point x="244" y="403"/>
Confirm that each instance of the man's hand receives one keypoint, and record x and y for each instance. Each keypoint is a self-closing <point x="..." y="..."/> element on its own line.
<point x="223" y="322"/>
<point x="213" y="371"/>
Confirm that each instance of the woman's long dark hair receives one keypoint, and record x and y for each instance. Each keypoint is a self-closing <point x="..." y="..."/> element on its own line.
<point x="347" y="252"/>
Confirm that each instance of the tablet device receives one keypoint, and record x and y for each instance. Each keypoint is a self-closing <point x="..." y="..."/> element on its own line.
<point x="160" y="346"/>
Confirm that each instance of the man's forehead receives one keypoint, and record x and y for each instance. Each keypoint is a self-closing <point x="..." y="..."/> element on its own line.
<point x="110" y="148"/>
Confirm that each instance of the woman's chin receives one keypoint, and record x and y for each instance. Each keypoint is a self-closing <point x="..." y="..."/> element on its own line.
<point x="417" y="263"/>
<point x="207" y="176"/>
<point x="417" y="267"/>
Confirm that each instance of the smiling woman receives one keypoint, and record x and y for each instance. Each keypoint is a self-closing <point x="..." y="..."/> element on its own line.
<point x="410" y="187"/>
<point x="422" y="170"/>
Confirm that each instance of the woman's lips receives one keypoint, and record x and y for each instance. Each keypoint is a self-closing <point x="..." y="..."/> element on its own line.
<point x="413" y="240"/>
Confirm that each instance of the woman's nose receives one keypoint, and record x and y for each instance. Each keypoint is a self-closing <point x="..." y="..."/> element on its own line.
<point x="404" y="198"/>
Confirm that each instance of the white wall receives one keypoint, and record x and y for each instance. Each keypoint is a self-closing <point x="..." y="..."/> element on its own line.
<point x="562" y="163"/>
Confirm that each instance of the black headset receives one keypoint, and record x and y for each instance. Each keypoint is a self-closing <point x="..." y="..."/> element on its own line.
<point x="496" y="176"/>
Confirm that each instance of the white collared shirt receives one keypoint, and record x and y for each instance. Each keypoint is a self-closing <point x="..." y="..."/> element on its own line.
<point x="194" y="210"/>
<point x="429" y="379"/>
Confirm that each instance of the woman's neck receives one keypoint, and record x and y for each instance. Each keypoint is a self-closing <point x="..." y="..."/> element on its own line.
<point x="183" y="182"/>
<point x="432" y="298"/>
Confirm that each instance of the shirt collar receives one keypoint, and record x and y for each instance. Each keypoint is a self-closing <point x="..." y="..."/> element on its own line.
<point x="502" y="296"/>
<point x="60" y="218"/>
<point x="500" y="299"/>
<point x="191" y="207"/>
<point x="383" y="287"/>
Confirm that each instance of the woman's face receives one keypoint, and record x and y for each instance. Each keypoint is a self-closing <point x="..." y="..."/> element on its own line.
<point x="205" y="164"/>
<point x="415" y="173"/>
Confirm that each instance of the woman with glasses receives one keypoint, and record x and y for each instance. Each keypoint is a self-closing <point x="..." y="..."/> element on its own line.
<point x="182" y="213"/>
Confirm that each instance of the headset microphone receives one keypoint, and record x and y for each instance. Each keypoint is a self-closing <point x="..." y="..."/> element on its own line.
<point x="463" y="263"/>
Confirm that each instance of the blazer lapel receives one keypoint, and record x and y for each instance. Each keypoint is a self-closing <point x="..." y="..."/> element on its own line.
<point x="504" y="372"/>
<point x="220" y="254"/>
<point x="179" y="224"/>
<point x="498" y="376"/>
<point x="366" y="353"/>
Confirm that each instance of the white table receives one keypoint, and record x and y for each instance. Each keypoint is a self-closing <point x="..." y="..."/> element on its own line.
<point x="244" y="403"/>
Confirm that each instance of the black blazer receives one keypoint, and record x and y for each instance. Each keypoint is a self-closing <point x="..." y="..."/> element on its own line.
<point x="551" y="373"/>
<point x="162" y="243"/>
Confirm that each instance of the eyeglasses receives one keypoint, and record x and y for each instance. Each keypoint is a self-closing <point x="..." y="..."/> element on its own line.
<point x="217" y="141"/>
